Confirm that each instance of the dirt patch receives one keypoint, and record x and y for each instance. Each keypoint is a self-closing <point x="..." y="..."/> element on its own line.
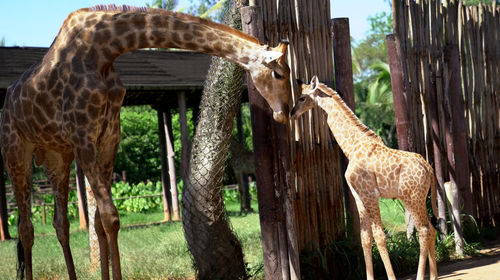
<point x="484" y="266"/>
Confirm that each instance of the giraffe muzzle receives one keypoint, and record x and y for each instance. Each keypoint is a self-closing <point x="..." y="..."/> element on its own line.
<point x="280" y="117"/>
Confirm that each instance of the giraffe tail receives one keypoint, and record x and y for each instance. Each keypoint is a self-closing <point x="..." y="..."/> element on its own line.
<point x="436" y="220"/>
<point x="434" y="194"/>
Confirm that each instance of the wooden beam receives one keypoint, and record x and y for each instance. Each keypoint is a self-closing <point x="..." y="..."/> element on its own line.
<point x="451" y="193"/>
<point x="263" y="150"/>
<point x="403" y="124"/>
<point x="186" y="143"/>
<point x="345" y="86"/>
<point x="460" y="152"/>
<point x="164" y="165"/>
<point x="4" y="226"/>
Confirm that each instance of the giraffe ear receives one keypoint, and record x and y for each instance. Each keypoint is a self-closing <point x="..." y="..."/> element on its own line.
<point x="270" y="56"/>
<point x="314" y="82"/>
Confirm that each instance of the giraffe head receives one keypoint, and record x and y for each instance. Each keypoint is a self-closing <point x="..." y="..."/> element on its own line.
<point x="271" y="76"/>
<point x="307" y="99"/>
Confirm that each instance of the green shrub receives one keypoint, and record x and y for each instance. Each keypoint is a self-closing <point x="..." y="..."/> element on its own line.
<point x="136" y="205"/>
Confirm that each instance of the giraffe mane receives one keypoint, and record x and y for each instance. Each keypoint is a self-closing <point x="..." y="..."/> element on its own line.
<point x="126" y="8"/>
<point x="330" y="92"/>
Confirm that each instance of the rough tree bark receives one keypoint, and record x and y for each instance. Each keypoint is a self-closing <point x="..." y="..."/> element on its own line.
<point x="216" y="251"/>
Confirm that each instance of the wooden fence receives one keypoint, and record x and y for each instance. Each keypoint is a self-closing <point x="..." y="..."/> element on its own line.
<point x="451" y="63"/>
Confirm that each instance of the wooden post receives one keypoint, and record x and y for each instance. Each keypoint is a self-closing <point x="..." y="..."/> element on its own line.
<point x="82" y="197"/>
<point x="345" y="86"/>
<point x="44" y="216"/>
<point x="167" y="128"/>
<point x="261" y="125"/>
<point x="164" y="166"/>
<point x="239" y="126"/>
<point x="4" y="226"/>
<point x="403" y="124"/>
<point x="460" y="154"/>
<point x="186" y="143"/>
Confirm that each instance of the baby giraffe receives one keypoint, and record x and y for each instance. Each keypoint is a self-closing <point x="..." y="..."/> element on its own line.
<point x="375" y="171"/>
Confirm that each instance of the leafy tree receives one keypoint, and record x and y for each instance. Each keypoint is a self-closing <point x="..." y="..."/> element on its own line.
<point x="373" y="48"/>
<point x="372" y="86"/>
<point x="139" y="153"/>
<point x="164" y="4"/>
<point x="210" y="9"/>
<point x="377" y="109"/>
<point x="477" y="2"/>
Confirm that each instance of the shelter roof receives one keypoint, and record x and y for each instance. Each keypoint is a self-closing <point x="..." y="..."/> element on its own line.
<point x="151" y="77"/>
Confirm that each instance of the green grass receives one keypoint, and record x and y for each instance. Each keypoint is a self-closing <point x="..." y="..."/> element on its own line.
<point x="393" y="215"/>
<point x="155" y="251"/>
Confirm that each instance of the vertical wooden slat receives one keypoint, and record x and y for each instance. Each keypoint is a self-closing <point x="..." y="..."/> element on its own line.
<point x="422" y="25"/>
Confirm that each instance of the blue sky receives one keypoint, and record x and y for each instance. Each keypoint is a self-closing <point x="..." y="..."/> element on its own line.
<point x="35" y="23"/>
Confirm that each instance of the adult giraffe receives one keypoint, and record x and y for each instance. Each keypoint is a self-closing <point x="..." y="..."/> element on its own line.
<point x="68" y="105"/>
<point x="376" y="171"/>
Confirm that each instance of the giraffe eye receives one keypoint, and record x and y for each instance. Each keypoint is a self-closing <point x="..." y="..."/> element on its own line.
<point x="276" y="75"/>
<point x="302" y="99"/>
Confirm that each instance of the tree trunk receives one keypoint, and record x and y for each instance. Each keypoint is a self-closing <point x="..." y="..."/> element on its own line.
<point x="216" y="251"/>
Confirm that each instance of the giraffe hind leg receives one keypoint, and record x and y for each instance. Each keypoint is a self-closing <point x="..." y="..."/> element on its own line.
<point x="426" y="236"/>
<point x="17" y="158"/>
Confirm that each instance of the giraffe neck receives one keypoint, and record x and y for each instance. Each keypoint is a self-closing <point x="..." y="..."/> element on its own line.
<point x="102" y="35"/>
<point x="347" y="129"/>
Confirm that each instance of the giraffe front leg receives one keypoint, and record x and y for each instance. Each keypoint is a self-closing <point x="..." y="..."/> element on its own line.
<point x="103" y="246"/>
<point x="107" y="212"/>
<point x="366" y="235"/>
<point x="57" y="167"/>
<point x="107" y="154"/>
<point x="379" y="235"/>
<point x="366" y="239"/>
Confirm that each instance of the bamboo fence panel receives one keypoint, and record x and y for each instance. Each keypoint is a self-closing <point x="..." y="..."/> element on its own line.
<point x="315" y="174"/>
<point x="424" y="28"/>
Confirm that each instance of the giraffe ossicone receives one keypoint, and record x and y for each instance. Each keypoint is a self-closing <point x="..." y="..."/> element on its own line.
<point x="68" y="106"/>
<point x="375" y="171"/>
